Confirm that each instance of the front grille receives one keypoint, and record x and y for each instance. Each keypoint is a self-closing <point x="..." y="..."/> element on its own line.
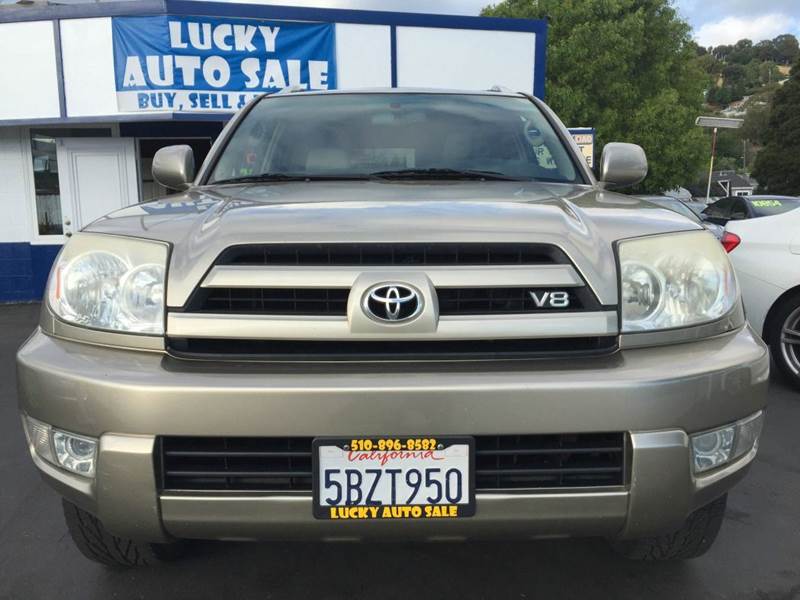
<point x="283" y="283"/>
<point x="387" y="350"/>
<point x="272" y="301"/>
<point x="284" y="464"/>
<point x="511" y="300"/>
<point x="392" y="254"/>
<point x="234" y="463"/>
<point x="333" y="301"/>
<point x="549" y="461"/>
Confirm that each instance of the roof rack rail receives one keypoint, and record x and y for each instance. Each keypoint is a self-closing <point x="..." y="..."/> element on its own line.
<point x="292" y="89"/>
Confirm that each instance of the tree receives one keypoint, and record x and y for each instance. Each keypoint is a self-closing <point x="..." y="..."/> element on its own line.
<point x="752" y="72"/>
<point x="723" y="96"/>
<point x="698" y="49"/>
<point x="765" y="51"/>
<point x="768" y="72"/>
<point x="776" y="167"/>
<point x="739" y="80"/>
<point x="628" y="68"/>
<point x="756" y="123"/>
<point x="726" y="163"/>
<point x="742" y="53"/>
<point x="709" y="64"/>
<point x="722" y="52"/>
<point x="735" y="76"/>
<point x="786" y="48"/>
<point x="729" y="143"/>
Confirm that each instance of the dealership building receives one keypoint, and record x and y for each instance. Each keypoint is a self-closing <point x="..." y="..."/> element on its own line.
<point x="89" y="92"/>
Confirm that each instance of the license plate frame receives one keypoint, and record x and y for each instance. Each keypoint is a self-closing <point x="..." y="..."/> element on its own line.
<point x="464" y="510"/>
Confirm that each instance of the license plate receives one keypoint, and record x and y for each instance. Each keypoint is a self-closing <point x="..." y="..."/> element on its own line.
<point x="393" y="478"/>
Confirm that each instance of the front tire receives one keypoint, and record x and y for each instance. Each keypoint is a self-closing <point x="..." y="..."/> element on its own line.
<point x="783" y="336"/>
<point x="693" y="539"/>
<point x="98" y="545"/>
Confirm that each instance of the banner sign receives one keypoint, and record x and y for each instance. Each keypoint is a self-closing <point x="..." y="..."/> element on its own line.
<point x="216" y="64"/>
<point x="584" y="137"/>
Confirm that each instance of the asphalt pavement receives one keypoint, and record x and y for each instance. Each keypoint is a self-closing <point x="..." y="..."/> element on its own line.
<point x="757" y="554"/>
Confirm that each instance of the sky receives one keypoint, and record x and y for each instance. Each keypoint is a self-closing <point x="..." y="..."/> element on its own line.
<point x="718" y="22"/>
<point x="714" y="22"/>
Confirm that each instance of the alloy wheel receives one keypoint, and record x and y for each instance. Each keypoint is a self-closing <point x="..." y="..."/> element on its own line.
<point x="790" y="341"/>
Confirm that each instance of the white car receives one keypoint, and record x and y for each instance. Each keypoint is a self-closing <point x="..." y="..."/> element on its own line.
<point x="766" y="255"/>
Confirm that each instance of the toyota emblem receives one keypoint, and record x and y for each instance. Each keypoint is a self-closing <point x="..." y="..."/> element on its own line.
<point x="392" y="302"/>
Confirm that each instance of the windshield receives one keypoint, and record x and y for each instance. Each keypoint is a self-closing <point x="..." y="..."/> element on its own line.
<point x="765" y="207"/>
<point x="430" y="136"/>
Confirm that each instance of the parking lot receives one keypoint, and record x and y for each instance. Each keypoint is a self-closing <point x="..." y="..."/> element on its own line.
<point x="756" y="556"/>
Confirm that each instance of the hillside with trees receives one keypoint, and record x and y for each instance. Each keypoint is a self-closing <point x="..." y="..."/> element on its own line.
<point x="746" y="68"/>
<point x="776" y="166"/>
<point x="744" y="80"/>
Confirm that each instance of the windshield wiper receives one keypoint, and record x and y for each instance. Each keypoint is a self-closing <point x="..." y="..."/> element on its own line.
<point x="393" y="174"/>
<point x="268" y="177"/>
<point x="443" y="174"/>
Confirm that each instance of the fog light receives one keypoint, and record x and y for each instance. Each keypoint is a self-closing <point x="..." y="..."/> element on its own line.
<point x="69" y="451"/>
<point x="75" y="453"/>
<point x="712" y="449"/>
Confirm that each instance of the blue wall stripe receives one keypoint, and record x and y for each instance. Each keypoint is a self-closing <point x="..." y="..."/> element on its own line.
<point x="44" y="12"/>
<point x="393" y="53"/>
<point x="342" y="15"/>
<point x="24" y="269"/>
<point x="540" y="62"/>
<point x="42" y="258"/>
<point x="62" y="97"/>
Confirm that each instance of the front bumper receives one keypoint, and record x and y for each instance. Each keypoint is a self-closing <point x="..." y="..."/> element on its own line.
<point x="659" y="395"/>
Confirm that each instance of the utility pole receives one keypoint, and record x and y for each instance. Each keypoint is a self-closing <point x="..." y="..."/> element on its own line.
<point x="715" y="123"/>
<point x="711" y="167"/>
<point x="744" y="155"/>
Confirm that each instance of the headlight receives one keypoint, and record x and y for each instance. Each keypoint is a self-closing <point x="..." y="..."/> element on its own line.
<point x="674" y="280"/>
<point x="110" y="282"/>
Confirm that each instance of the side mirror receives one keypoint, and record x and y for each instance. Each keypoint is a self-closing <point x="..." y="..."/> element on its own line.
<point x="173" y="167"/>
<point x="622" y="165"/>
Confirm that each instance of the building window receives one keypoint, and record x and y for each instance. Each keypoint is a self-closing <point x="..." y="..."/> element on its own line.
<point x="45" y="178"/>
<point x="45" y="174"/>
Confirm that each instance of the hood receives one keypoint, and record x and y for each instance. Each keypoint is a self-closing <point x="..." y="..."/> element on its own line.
<point x="583" y="220"/>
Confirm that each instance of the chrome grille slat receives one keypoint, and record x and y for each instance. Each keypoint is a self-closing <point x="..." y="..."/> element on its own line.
<point x="455" y="327"/>
<point x="237" y="276"/>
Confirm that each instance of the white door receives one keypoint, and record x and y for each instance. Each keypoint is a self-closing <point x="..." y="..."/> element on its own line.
<point x="96" y="176"/>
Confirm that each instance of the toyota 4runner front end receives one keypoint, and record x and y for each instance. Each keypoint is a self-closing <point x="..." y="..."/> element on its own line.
<point x="393" y="314"/>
